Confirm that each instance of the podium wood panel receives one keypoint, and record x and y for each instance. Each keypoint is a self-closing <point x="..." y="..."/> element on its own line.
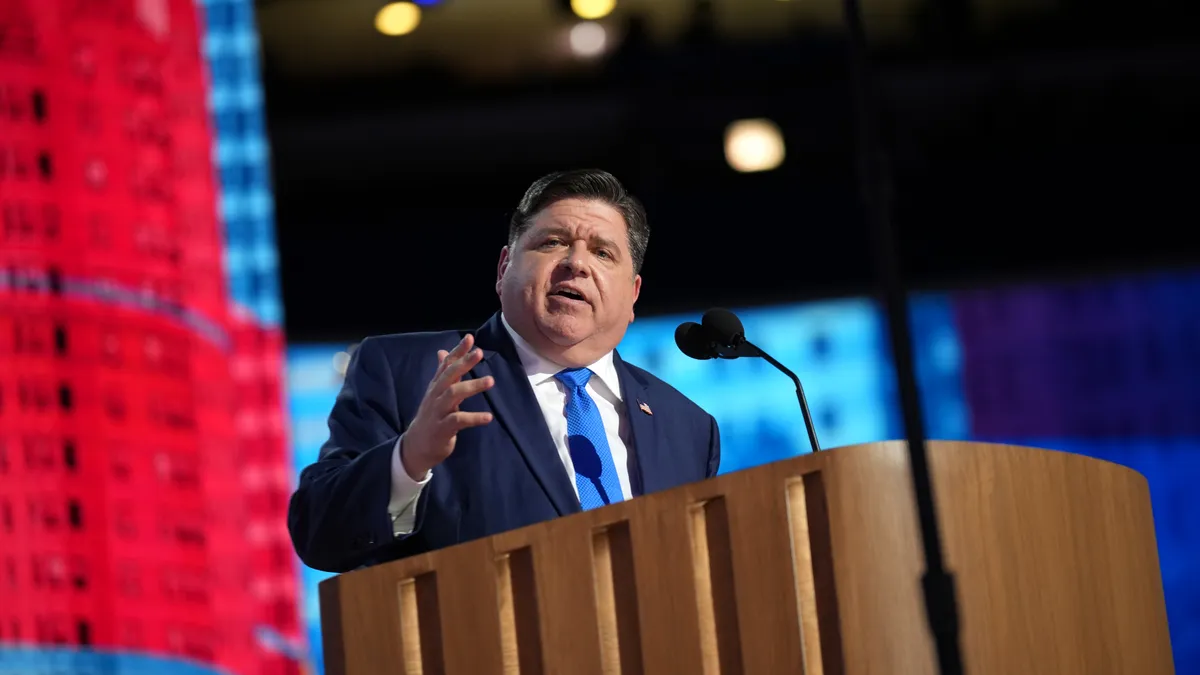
<point x="807" y="565"/>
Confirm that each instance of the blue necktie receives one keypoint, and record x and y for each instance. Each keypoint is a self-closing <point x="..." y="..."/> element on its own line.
<point x="595" y="473"/>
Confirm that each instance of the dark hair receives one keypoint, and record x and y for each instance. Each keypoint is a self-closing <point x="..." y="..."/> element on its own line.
<point x="584" y="184"/>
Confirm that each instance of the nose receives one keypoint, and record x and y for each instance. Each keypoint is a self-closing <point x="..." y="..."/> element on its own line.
<point x="576" y="259"/>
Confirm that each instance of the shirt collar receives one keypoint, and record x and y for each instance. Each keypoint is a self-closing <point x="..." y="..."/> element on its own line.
<point x="539" y="368"/>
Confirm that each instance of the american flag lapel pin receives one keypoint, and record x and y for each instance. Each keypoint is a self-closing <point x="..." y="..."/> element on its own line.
<point x="645" y="408"/>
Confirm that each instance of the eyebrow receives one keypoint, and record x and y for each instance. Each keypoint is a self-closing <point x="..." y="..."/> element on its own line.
<point x="566" y="232"/>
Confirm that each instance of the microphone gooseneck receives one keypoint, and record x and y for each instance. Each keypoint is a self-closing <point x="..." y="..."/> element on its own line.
<point x="808" y="423"/>
<point x="722" y="330"/>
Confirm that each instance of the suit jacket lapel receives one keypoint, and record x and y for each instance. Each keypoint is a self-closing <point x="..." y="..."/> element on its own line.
<point x="643" y="431"/>
<point x="517" y="410"/>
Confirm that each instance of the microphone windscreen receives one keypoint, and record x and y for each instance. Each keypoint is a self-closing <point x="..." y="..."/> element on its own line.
<point x="724" y="326"/>
<point x="694" y="341"/>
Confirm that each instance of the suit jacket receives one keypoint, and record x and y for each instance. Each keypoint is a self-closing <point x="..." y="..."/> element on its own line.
<point x="501" y="476"/>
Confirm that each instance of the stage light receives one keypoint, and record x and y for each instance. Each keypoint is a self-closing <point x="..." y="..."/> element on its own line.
<point x="398" y="18"/>
<point x="754" y="145"/>
<point x="593" y="9"/>
<point x="588" y="39"/>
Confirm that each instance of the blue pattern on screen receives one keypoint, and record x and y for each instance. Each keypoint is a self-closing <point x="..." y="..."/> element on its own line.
<point x="313" y="385"/>
<point x="241" y="153"/>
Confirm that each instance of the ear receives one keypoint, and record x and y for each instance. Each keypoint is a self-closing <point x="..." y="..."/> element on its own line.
<point x="501" y="268"/>
<point x="637" y="290"/>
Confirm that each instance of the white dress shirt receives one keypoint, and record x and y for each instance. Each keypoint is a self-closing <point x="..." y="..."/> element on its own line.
<point x="604" y="388"/>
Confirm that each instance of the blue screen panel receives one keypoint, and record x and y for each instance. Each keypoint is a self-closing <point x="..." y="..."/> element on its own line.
<point x="313" y="385"/>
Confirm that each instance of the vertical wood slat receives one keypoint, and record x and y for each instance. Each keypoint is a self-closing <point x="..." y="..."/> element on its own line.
<point x="820" y="537"/>
<point x="359" y="635"/>
<point x="815" y="586"/>
<point x="760" y="547"/>
<point x="420" y="625"/>
<point x="666" y="590"/>
<point x="470" y="611"/>
<point x="520" y="625"/>
<point x="616" y="601"/>
<point x="810" y="626"/>
<point x="566" y="591"/>
<point x="334" y="617"/>
<point x="716" y="598"/>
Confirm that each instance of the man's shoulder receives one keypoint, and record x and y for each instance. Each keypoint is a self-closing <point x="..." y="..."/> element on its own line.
<point x="397" y="346"/>
<point x="663" y="392"/>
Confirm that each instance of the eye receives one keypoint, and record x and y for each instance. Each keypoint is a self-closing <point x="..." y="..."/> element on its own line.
<point x="553" y="241"/>
<point x="604" y="254"/>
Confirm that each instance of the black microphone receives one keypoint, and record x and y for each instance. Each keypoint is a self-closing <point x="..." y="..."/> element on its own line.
<point x="694" y="341"/>
<point x="700" y="343"/>
<point x="721" y="336"/>
<point x="726" y="328"/>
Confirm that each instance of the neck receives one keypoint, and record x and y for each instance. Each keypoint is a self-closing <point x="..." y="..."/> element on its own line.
<point x="578" y="355"/>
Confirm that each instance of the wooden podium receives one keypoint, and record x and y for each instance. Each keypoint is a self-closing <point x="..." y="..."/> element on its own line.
<point x="808" y="565"/>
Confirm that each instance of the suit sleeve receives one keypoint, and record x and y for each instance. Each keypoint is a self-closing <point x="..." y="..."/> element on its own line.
<point x="714" y="448"/>
<point x="338" y="516"/>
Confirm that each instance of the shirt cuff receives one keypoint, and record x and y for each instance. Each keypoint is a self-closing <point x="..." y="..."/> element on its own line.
<point x="405" y="491"/>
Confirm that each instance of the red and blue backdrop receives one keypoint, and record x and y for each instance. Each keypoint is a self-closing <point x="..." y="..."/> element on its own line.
<point x="144" y="463"/>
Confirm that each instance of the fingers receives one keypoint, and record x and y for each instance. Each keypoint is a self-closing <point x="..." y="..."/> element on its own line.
<point x="455" y="368"/>
<point x="464" y="345"/>
<point x="446" y="392"/>
<point x="447" y="358"/>
<point x="443" y="361"/>
<point x="459" y="420"/>
<point x="460" y="391"/>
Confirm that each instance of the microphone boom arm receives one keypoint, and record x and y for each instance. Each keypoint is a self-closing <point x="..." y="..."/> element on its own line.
<point x="808" y="422"/>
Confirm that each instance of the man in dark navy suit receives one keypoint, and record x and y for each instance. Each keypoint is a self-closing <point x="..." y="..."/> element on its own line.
<point x="440" y="438"/>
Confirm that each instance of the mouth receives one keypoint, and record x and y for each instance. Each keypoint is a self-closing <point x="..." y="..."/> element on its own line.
<point x="569" y="294"/>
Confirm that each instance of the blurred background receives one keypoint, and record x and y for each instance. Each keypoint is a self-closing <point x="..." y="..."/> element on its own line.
<point x="206" y="204"/>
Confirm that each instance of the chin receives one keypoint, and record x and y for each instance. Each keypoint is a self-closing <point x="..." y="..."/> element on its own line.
<point x="566" y="331"/>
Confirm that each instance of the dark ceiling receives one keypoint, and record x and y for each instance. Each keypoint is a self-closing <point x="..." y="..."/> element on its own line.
<point x="1061" y="143"/>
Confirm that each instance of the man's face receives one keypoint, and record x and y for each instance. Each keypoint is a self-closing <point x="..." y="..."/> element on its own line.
<point x="567" y="285"/>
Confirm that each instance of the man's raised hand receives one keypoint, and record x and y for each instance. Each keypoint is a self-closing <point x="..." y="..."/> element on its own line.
<point x="431" y="436"/>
